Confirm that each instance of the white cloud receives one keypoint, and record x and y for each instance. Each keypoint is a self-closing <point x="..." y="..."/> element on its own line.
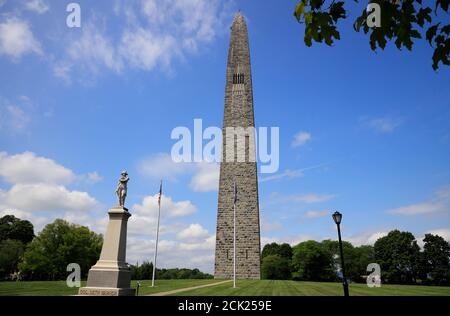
<point x="145" y="50"/>
<point x="16" y="116"/>
<point x="291" y="240"/>
<point x="174" y="254"/>
<point x="439" y="203"/>
<point x="153" y="34"/>
<point x="193" y="233"/>
<point x="46" y="197"/>
<point x="207" y="178"/>
<point x="269" y="226"/>
<point x="382" y="125"/>
<point x="38" y="6"/>
<point x="285" y="174"/>
<point x="301" y="138"/>
<point x="38" y="187"/>
<point x="91" y="51"/>
<point x="365" y="238"/>
<point x="13" y="117"/>
<point x="443" y="232"/>
<point x="310" y="198"/>
<point x="290" y="174"/>
<point x="192" y="21"/>
<point x="169" y="207"/>
<point x="16" y="39"/>
<point x="62" y="70"/>
<point x="91" y="178"/>
<point x="192" y="248"/>
<point x="316" y="214"/>
<point x="417" y="209"/>
<point x="29" y="168"/>
<point x="162" y="166"/>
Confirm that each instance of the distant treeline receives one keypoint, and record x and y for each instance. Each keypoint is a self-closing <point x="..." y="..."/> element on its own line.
<point x="398" y="254"/>
<point x="45" y="256"/>
<point x="145" y="271"/>
<point x="402" y="261"/>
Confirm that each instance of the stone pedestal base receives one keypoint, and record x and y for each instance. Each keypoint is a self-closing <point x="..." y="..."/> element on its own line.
<point x="111" y="278"/>
<point x="111" y="275"/>
<point x="105" y="291"/>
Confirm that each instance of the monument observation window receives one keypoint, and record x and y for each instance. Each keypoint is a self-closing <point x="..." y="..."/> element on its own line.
<point x="238" y="79"/>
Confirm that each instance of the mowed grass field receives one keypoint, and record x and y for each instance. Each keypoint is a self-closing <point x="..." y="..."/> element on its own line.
<point x="59" y="288"/>
<point x="295" y="288"/>
<point x="244" y="288"/>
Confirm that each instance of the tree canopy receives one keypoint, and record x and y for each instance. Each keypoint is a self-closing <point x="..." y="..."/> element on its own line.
<point x="312" y="262"/>
<point x="403" y="22"/>
<point x="398" y="255"/>
<point x="436" y="260"/>
<point x="14" y="228"/>
<point x="275" y="267"/>
<point x="145" y="272"/>
<point x="11" y="252"/>
<point x="283" y="250"/>
<point x="57" y="245"/>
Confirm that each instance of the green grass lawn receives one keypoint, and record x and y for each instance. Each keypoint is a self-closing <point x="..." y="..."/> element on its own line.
<point x="58" y="288"/>
<point x="295" y="288"/>
<point x="244" y="288"/>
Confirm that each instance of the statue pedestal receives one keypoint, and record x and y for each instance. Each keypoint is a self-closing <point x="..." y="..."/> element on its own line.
<point x="111" y="275"/>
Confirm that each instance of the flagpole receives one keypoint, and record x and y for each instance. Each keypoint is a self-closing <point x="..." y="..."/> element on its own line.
<point x="234" y="236"/>
<point x="157" y="236"/>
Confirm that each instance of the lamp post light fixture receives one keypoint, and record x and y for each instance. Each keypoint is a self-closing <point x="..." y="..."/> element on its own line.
<point x="337" y="217"/>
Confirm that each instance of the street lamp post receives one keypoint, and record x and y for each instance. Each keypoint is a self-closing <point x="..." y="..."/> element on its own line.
<point x="337" y="217"/>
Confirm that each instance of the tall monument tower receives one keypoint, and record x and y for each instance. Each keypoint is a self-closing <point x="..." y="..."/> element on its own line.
<point x="238" y="113"/>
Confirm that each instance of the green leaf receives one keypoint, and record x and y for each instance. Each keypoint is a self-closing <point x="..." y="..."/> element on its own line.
<point x="316" y="4"/>
<point x="308" y="17"/>
<point x="446" y="29"/>
<point x="444" y="4"/>
<point x="431" y="33"/>
<point x="415" y="34"/>
<point x="299" y="9"/>
<point x="337" y="11"/>
<point x="422" y="15"/>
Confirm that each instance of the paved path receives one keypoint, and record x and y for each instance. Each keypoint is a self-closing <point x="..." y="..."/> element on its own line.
<point x="187" y="289"/>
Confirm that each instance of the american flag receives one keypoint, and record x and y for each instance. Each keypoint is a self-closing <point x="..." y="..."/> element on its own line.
<point x="160" y="194"/>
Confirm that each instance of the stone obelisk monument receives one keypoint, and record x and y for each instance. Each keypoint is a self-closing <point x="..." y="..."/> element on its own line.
<point x="111" y="275"/>
<point x="238" y="113"/>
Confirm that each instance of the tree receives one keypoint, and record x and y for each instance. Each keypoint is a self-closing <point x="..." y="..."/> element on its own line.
<point x="11" y="252"/>
<point x="275" y="267"/>
<point x="362" y="257"/>
<point x="356" y="258"/>
<point x="400" y="21"/>
<point x="57" y="245"/>
<point x="436" y="259"/>
<point x="312" y="262"/>
<point x="332" y="248"/>
<point x="270" y="250"/>
<point x="398" y="256"/>
<point x="283" y="250"/>
<point x="14" y="228"/>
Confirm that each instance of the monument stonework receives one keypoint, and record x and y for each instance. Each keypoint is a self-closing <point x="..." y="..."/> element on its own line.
<point x="111" y="275"/>
<point x="238" y="112"/>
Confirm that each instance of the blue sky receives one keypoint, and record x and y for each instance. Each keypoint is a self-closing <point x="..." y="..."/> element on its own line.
<point x="361" y="132"/>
